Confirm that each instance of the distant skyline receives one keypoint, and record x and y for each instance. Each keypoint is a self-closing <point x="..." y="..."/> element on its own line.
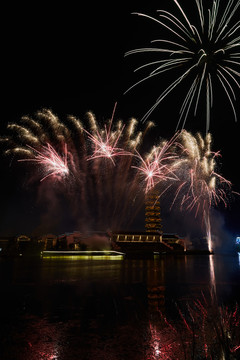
<point x="72" y="60"/>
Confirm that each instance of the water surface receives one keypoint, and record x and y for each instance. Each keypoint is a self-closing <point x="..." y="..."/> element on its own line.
<point x="102" y="309"/>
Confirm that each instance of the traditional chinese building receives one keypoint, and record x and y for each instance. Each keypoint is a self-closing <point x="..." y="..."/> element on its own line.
<point x="146" y="243"/>
<point x="153" y="221"/>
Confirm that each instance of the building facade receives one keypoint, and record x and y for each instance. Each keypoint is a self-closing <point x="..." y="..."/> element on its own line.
<point x="146" y="242"/>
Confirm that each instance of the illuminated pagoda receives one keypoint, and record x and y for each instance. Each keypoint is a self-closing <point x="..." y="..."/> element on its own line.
<point x="152" y="241"/>
<point x="153" y="221"/>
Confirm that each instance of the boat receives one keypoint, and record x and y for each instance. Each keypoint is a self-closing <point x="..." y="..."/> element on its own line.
<point x="83" y="254"/>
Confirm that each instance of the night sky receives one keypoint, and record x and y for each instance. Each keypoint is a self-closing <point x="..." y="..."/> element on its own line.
<point x="70" y="58"/>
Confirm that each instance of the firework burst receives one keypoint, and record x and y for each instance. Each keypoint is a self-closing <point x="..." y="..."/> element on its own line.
<point x="105" y="141"/>
<point x="110" y="196"/>
<point x="76" y="154"/>
<point x="52" y="163"/>
<point x="199" y="185"/>
<point x="159" y="165"/>
<point x="205" y="187"/>
<point x="206" y="53"/>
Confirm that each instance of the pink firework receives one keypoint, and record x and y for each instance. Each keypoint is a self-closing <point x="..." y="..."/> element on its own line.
<point x="159" y="165"/>
<point x="39" y="142"/>
<point x="105" y="146"/>
<point x="105" y="142"/>
<point x="52" y="163"/>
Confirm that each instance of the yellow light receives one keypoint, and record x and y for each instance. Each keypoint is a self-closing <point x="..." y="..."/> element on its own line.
<point x="83" y="257"/>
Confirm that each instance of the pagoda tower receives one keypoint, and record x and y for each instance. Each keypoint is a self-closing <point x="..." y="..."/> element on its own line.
<point x="153" y="221"/>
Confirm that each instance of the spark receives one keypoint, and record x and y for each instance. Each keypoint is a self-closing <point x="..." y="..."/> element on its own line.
<point x="52" y="163"/>
<point x="105" y="142"/>
<point x="62" y="150"/>
<point x="158" y="166"/>
<point x="200" y="187"/>
<point x="105" y="145"/>
<point x="19" y="150"/>
<point x="205" y="185"/>
<point x="185" y="164"/>
<point x="207" y="55"/>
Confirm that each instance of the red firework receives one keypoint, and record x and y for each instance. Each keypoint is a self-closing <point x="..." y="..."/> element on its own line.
<point x="52" y="163"/>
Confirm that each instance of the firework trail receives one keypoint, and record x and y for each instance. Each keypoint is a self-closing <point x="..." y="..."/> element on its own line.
<point x="199" y="185"/>
<point x="159" y="165"/>
<point x="53" y="164"/>
<point x="106" y="189"/>
<point x="78" y="160"/>
<point x="207" y="53"/>
<point x="105" y="143"/>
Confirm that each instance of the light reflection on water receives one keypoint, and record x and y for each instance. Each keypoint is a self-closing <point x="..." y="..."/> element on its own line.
<point x="212" y="274"/>
<point x="67" y="309"/>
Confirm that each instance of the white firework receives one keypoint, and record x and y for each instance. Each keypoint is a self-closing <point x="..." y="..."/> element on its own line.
<point x="206" y="53"/>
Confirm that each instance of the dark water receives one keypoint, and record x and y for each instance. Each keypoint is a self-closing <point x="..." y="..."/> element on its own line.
<point x="103" y="309"/>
